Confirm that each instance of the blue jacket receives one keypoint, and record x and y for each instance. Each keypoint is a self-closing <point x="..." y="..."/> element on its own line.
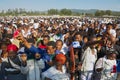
<point x="44" y="56"/>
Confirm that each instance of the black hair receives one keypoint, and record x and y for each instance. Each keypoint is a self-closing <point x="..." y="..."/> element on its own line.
<point x="31" y="40"/>
<point x="3" y="43"/>
<point x="51" y="43"/>
<point x="46" y="36"/>
<point x="60" y="41"/>
<point x="78" y="33"/>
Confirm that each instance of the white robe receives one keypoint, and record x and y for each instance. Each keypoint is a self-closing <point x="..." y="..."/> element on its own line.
<point x="55" y="74"/>
<point x="107" y="65"/>
<point x="88" y="62"/>
<point x="35" y="69"/>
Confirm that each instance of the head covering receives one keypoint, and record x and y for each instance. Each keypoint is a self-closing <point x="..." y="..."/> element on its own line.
<point x="16" y="33"/>
<point x="76" y="44"/>
<point x="12" y="47"/>
<point x="112" y="51"/>
<point x="60" y="58"/>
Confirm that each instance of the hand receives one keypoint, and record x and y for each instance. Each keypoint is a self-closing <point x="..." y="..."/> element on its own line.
<point x="23" y="57"/>
<point x="50" y="63"/>
<point x="20" y="37"/>
<point x="79" y="67"/>
<point x="99" y="69"/>
<point x="37" y="55"/>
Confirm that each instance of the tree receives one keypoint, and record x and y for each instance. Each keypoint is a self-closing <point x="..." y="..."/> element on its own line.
<point x="53" y="12"/>
<point x="108" y="12"/>
<point x="102" y="12"/>
<point x="98" y="13"/>
<point x="65" y="12"/>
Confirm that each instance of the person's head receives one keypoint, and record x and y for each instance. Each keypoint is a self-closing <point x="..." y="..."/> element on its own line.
<point x="111" y="55"/>
<point x="46" y="39"/>
<point x="59" y="44"/>
<point x="51" y="47"/>
<point x="31" y="41"/>
<point x="78" y="37"/>
<point x="3" y="47"/>
<point x="60" y="59"/>
<point x="22" y="54"/>
<point x="85" y="39"/>
<point x="108" y="42"/>
<point x="109" y="26"/>
<point x="12" y="51"/>
<point x="92" y="39"/>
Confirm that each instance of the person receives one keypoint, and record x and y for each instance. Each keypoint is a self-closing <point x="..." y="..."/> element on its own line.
<point x="35" y="62"/>
<point x="106" y="66"/>
<point x="111" y="32"/>
<point x="44" y="42"/>
<point x="58" y="70"/>
<point x="88" y="60"/>
<point x="61" y="47"/>
<point x="15" y="68"/>
<point x="49" y="55"/>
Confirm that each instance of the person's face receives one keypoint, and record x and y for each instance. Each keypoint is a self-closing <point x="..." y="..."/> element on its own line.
<point x="45" y="40"/>
<point x="59" y="62"/>
<point x="78" y="38"/>
<point x="4" y="48"/>
<point x="108" y="43"/>
<point x="50" y="50"/>
<point x="85" y="40"/>
<point x="12" y="54"/>
<point x="58" y="45"/>
<point x="109" y="27"/>
<point x="94" y="39"/>
<point x="112" y="56"/>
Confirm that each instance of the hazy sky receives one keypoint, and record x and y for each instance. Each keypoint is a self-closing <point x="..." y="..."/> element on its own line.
<point x="43" y="5"/>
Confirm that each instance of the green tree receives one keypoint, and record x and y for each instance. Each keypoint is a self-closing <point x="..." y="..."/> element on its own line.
<point x="108" y="12"/>
<point x="98" y="13"/>
<point x="102" y="12"/>
<point x="65" y="12"/>
<point x="53" y="12"/>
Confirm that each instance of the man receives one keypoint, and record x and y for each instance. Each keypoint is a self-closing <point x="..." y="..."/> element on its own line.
<point x="107" y="66"/>
<point x="34" y="61"/>
<point x="58" y="70"/>
<point x="88" y="60"/>
<point x="44" y="42"/>
<point x="61" y="47"/>
<point x="111" y="32"/>
<point x="48" y="57"/>
<point x="15" y="68"/>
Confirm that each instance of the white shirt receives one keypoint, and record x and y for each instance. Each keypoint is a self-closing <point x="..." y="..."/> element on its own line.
<point x="113" y="32"/>
<point x="107" y="66"/>
<point x="88" y="60"/>
<point x="55" y="74"/>
<point x="36" y="25"/>
<point x="64" y="49"/>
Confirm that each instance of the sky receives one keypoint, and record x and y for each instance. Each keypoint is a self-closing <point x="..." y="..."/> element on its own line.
<point x="43" y="5"/>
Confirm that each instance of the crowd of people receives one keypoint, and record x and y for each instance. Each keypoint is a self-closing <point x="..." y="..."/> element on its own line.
<point x="38" y="48"/>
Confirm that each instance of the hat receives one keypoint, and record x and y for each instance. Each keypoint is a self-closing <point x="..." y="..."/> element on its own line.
<point x="16" y="33"/>
<point x="60" y="58"/>
<point x="12" y="47"/>
<point x="112" y="50"/>
<point x="76" y="44"/>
